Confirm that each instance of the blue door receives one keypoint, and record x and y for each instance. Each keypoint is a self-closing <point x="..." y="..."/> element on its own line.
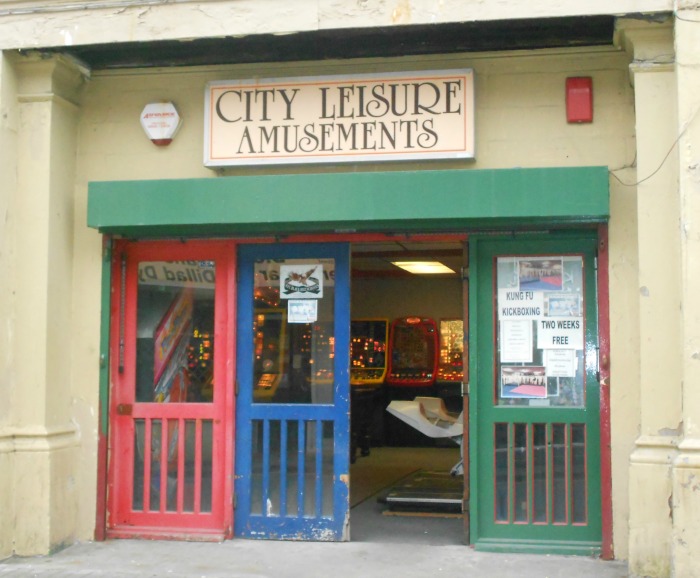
<point x="292" y="424"/>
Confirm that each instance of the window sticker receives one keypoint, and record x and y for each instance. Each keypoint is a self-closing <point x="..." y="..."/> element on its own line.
<point x="302" y="311"/>
<point x="301" y="281"/>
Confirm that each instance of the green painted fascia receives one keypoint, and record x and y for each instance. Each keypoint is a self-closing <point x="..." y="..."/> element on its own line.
<point x="364" y="201"/>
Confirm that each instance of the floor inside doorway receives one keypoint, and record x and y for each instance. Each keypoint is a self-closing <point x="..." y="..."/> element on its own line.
<point x="373" y="476"/>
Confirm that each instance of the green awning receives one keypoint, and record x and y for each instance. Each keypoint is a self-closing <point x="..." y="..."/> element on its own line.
<point x="401" y="201"/>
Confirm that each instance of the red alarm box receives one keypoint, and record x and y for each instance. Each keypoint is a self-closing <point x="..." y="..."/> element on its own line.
<point x="579" y="99"/>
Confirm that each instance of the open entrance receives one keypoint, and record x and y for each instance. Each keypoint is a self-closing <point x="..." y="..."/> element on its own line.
<point x="406" y="375"/>
<point x="347" y="374"/>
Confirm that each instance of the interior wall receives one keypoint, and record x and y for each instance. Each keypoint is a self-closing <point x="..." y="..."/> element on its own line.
<point x="419" y="296"/>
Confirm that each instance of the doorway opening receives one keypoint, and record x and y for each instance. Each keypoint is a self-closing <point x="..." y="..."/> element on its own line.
<point x="407" y="341"/>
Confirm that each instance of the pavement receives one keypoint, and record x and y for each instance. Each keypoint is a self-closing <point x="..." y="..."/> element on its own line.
<point x="382" y="545"/>
<point x="262" y="559"/>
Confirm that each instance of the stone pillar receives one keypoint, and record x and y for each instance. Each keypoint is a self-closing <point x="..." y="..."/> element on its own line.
<point x="686" y="466"/>
<point x="44" y="437"/>
<point x="8" y="192"/>
<point x="654" y="79"/>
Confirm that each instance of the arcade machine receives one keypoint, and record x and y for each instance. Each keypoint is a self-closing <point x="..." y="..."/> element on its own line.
<point x="412" y="371"/>
<point x="450" y="365"/>
<point x="368" y="367"/>
<point x="368" y="359"/>
<point x="269" y="335"/>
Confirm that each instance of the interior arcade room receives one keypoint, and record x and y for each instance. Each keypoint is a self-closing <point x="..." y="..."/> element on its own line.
<point x="406" y="374"/>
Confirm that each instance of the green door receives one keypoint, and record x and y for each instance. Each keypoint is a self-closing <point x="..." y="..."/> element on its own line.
<point x="535" y="395"/>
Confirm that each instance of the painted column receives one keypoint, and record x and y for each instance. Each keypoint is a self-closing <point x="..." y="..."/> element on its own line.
<point x="653" y="75"/>
<point x="686" y="466"/>
<point x="44" y="438"/>
<point x="8" y="193"/>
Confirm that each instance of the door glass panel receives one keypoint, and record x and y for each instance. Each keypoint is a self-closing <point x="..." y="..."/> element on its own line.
<point x="540" y="337"/>
<point x="175" y="332"/>
<point x="294" y="341"/>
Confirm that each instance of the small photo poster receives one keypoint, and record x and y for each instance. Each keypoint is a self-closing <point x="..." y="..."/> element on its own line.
<point x="562" y="305"/>
<point x="302" y="311"/>
<point x="541" y="274"/>
<point x="301" y="281"/>
<point x="523" y="381"/>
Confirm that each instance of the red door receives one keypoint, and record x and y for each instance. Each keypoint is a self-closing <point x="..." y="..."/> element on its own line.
<point x="171" y="390"/>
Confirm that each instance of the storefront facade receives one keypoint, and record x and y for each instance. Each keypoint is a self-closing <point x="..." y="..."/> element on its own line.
<point x="107" y="232"/>
<point x="138" y="266"/>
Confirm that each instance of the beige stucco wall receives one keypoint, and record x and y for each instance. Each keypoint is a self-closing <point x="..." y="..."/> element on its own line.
<point x="520" y="122"/>
<point x="37" y="23"/>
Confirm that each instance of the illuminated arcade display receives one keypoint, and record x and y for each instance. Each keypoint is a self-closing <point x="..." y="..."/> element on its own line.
<point x="413" y="349"/>
<point x="368" y="359"/>
<point x="451" y="350"/>
<point x="200" y="362"/>
<point x="318" y="347"/>
<point x="269" y="345"/>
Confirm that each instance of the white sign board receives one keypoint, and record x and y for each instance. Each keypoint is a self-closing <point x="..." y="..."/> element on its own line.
<point x="560" y="333"/>
<point x="351" y="118"/>
<point x="302" y="310"/>
<point x="515" y="304"/>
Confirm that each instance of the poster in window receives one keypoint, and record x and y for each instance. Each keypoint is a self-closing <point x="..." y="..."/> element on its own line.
<point x="516" y="341"/>
<point x="523" y="381"/>
<point x="540" y="274"/>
